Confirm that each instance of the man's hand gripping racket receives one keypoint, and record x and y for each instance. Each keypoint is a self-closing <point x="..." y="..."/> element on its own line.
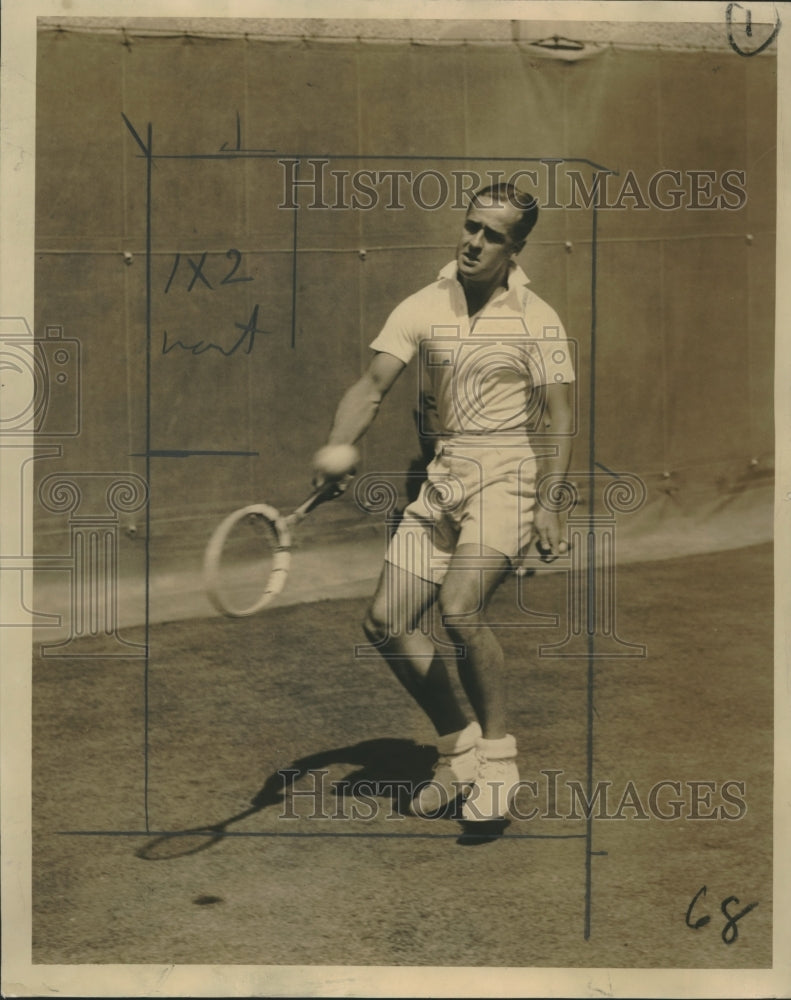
<point x="248" y="556"/>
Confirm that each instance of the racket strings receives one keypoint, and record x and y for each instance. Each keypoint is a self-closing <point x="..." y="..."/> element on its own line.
<point x="247" y="560"/>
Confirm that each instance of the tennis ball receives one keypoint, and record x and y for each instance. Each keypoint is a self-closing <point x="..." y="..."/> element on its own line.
<point x="336" y="460"/>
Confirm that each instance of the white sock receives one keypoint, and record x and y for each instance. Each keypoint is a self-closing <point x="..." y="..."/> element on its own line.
<point x="498" y="749"/>
<point x="458" y="742"/>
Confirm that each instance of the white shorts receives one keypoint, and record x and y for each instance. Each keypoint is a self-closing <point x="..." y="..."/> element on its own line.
<point x="475" y="494"/>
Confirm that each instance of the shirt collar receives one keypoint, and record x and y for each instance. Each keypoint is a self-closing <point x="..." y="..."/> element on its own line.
<point x="517" y="279"/>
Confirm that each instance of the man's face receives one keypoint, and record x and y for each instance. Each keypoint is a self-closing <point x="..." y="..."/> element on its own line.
<point x="486" y="245"/>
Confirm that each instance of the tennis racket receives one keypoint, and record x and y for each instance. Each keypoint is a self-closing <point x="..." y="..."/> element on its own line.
<point x="248" y="557"/>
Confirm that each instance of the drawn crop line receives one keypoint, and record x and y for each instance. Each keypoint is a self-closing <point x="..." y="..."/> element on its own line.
<point x="370" y="834"/>
<point x="149" y="156"/>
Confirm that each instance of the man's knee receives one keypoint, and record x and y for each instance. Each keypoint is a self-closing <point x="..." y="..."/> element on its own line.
<point x="465" y="593"/>
<point x="375" y="625"/>
<point x="461" y="607"/>
<point x="458" y="615"/>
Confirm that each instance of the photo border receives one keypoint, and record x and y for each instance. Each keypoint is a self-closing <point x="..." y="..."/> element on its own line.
<point x="20" y="976"/>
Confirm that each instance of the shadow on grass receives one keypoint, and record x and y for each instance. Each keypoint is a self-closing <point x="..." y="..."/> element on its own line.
<point x="385" y="768"/>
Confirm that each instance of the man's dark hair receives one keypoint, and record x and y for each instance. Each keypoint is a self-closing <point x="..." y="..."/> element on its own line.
<point x="508" y="193"/>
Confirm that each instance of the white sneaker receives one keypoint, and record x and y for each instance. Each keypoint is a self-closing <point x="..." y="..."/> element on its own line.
<point x="496" y="785"/>
<point x="454" y="772"/>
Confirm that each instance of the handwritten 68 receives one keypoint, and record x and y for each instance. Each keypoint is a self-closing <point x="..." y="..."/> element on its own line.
<point x="730" y="931"/>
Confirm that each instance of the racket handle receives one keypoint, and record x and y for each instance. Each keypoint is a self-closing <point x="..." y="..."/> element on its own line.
<point x="326" y="492"/>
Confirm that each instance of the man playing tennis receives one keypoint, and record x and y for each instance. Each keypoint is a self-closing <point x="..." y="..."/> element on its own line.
<point x="499" y="370"/>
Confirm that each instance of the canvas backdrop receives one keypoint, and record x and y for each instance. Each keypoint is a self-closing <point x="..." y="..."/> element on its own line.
<point x="679" y="303"/>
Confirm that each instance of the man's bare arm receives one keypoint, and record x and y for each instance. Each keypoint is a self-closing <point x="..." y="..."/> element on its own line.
<point x="559" y="423"/>
<point x="360" y="403"/>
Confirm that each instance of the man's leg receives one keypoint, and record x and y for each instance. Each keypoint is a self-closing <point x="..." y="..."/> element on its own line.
<point x="394" y="625"/>
<point x="464" y="597"/>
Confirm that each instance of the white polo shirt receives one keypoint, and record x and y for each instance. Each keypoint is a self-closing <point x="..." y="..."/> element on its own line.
<point x="484" y="371"/>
